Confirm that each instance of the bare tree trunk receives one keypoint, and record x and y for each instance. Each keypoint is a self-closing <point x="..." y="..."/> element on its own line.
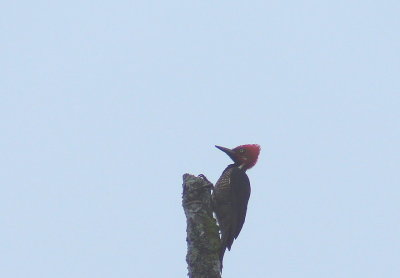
<point x="202" y="231"/>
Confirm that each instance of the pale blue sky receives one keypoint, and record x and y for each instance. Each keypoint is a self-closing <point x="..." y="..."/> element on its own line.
<point x="104" y="105"/>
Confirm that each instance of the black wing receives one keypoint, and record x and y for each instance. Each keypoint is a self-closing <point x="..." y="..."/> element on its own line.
<point x="240" y="185"/>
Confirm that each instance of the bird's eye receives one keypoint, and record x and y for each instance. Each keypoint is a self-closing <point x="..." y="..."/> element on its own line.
<point x="242" y="150"/>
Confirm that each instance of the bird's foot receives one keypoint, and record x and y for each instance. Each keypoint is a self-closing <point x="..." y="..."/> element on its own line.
<point x="209" y="184"/>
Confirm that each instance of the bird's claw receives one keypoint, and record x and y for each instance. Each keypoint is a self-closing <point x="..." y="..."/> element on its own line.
<point x="209" y="184"/>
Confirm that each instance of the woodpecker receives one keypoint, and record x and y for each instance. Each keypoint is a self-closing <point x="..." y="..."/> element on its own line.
<point x="232" y="192"/>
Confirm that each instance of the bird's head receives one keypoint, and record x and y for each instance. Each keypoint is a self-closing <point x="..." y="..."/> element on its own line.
<point x="245" y="156"/>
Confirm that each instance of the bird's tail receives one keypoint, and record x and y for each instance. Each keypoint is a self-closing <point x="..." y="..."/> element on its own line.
<point x="221" y="256"/>
<point x="226" y="242"/>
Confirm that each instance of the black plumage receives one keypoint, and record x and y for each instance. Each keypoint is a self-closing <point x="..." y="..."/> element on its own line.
<point x="230" y="197"/>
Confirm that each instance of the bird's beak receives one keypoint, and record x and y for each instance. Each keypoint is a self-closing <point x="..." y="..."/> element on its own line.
<point x="229" y="152"/>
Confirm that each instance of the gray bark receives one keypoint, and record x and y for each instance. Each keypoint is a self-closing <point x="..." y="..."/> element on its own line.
<point x="202" y="231"/>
